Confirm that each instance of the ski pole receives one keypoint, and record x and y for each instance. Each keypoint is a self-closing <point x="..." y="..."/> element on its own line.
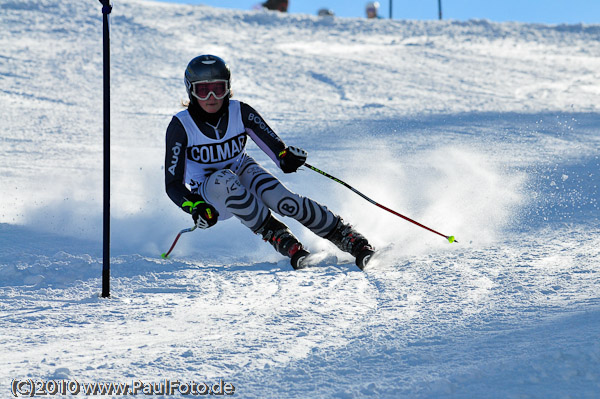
<point x="166" y="254"/>
<point x="450" y="239"/>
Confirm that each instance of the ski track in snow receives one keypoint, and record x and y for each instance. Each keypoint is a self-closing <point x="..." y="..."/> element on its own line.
<point x="487" y="131"/>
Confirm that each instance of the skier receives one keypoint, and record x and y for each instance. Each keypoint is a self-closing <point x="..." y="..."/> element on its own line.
<point x="372" y="10"/>
<point x="325" y="12"/>
<point x="276" y="5"/>
<point x="206" y="151"/>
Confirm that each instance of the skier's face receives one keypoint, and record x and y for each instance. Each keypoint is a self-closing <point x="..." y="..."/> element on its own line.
<point x="210" y="94"/>
<point x="211" y="104"/>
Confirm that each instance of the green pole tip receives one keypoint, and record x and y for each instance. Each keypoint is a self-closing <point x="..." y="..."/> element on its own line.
<point x="451" y="239"/>
<point x="164" y="255"/>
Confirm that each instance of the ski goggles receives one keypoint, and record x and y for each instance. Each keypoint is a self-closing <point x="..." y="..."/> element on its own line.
<point x="203" y="89"/>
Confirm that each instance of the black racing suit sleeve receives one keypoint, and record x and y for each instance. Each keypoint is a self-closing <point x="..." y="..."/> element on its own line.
<point x="261" y="133"/>
<point x="176" y="144"/>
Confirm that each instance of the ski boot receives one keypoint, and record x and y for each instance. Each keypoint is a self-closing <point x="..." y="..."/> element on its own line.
<point x="349" y="240"/>
<point x="281" y="238"/>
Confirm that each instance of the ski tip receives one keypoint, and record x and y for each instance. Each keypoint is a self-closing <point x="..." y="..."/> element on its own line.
<point x="451" y="239"/>
<point x="297" y="260"/>
<point x="363" y="258"/>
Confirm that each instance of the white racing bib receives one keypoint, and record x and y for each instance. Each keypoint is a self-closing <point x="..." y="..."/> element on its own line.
<point x="205" y="155"/>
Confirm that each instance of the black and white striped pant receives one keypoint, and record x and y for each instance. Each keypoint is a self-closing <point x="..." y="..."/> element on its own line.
<point x="252" y="192"/>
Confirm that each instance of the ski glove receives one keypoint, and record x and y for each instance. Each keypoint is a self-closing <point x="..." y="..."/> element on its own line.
<point x="291" y="159"/>
<point x="205" y="215"/>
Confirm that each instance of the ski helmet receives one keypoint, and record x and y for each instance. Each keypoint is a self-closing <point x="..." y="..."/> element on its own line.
<point x="206" y="68"/>
<point x="372" y="5"/>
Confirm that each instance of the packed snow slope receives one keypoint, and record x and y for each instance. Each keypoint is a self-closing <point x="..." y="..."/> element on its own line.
<point x="486" y="131"/>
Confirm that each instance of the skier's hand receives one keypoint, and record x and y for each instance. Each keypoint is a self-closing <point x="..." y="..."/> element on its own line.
<point x="291" y="159"/>
<point x="205" y="215"/>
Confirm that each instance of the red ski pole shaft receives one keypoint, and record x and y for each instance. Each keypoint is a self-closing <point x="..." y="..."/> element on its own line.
<point x="166" y="254"/>
<point x="449" y="238"/>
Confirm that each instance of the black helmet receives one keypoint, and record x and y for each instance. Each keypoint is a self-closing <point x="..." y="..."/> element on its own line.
<point x="205" y="68"/>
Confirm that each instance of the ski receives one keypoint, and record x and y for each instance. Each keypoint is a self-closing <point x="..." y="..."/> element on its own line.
<point x="319" y="259"/>
<point x="304" y="259"/>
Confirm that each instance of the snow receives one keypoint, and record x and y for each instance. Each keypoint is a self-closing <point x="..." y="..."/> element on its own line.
<point x="486" y="131"/>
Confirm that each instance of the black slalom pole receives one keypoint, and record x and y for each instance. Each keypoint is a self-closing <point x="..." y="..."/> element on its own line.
<point x="106" y="9"/>
<point x="440" y="9"/>
<point x="391" y="1"/>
